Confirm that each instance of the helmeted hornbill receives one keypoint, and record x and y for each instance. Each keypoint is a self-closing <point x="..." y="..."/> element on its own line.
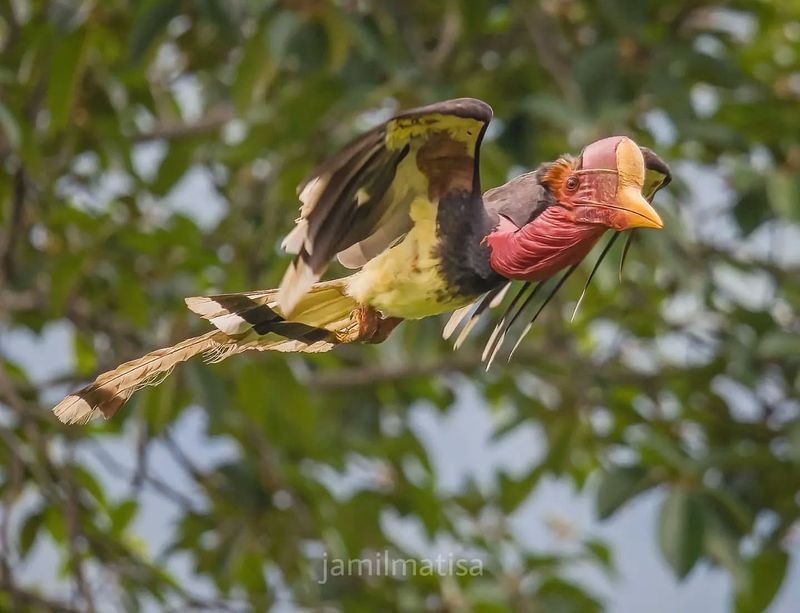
<point x="403" y="205"/>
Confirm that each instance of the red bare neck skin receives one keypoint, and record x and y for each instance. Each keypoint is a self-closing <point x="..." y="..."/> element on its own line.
<point x="538" y="250"/>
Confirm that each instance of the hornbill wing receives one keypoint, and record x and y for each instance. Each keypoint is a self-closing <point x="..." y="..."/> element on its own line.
<point x="656" y="174"/>
<point x="520" y="200"/>
<point x="356" y="204"/>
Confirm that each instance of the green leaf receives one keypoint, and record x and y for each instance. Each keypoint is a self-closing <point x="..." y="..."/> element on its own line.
<point x="281" y="30"/>
<point x="513" y="492"/>
<point x="337" y="28"/>
<point x="783" y="193"/>
<point x="173" y="166"/>
<point x="29" y="531"/>
<point x="680" y="531"/>
<point x="54" y="520"/>
<point x="659" y="449"/>
<point x="66" y="276"/>
<point x="556" y="594"/>
<point x="255" y="73"/>
<point x="88" y="481"/>
<point x="84" y="355"/>
<point x="778" y="345"/>
<point x="9" y="127"/>
<point x="617" y="486"/>
<point x="751" y="209"/>
<point x="152" y="19"/>
<point x="249" y="572"/>
<point x="767" y="571"/>
<point x="65" y="74"/>
<point x="159" y="404"/>
<point x="122" y="515"/>
<point x="601" y="553"/>
<point x="723" y="548"/>
<point x="223" y="14"/>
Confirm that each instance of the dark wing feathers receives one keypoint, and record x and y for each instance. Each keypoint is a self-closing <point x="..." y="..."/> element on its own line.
<point x="378" y="176"/>
<point x="657" y="173"/>
<point x="356" y="196"/>
<point x="344" y="182"/>
<point x="520" y="200"/>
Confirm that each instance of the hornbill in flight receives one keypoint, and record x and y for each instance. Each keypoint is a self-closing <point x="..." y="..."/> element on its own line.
<point x="402" y="204"/>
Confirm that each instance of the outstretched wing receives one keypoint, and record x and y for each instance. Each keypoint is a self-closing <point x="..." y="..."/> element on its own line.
<point x="355" y="205"/>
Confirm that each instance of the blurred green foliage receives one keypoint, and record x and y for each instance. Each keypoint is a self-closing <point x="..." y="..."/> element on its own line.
<point x="108" y="109"/>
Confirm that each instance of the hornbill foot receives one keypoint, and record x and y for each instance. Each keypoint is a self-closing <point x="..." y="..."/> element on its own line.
<point x="372" y="326"/>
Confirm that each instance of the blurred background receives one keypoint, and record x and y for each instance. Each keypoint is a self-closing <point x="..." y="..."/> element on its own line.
<point x="645" y="457"/>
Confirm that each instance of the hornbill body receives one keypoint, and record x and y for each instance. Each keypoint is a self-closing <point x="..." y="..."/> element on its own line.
<point x="403" y="205"/>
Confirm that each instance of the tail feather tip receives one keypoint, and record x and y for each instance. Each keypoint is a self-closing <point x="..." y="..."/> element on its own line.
<point x="75" y="410"/>
<point x="202" y="305"/>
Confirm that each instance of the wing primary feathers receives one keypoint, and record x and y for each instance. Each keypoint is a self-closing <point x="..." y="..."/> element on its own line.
<point x="500" y="295"/>
<point x="328" y="227"/>
<point x="471" y="310"/>
<point x="458" y="316"/>
<point x="372" y="205"/>
<point x="625" y="249"/>
<point x="341" y="180"/>
<point x="546" y="301"/>
<point x="599" y="261"/>
<point x="490" y="344"/>
<point x="490" y="300"/>
<point x="473" y="320"/>
<point x="342" y="190"/>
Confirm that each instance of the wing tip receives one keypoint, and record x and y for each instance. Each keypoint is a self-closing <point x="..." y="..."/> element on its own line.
<point x="654" y="163"/>
<point x="470" y="108"/>
<point x="201" y="305"/>
<point x="296" y="282"/>
<point x="296" y="239"/>
<point x="458" y="316"/>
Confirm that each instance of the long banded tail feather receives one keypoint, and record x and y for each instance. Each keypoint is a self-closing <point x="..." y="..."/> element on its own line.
<point x="325" y="317"/>
<point x="325" y="307"/>
<point x="272" y="342"/>
<point x="112" y="389"/>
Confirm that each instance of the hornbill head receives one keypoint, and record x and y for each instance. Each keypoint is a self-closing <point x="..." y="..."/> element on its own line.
<point x="607" y="187"/>
<point x="604" y="186"/>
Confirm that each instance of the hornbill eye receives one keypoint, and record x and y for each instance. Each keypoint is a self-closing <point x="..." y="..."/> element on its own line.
<point x="572" y="183"/>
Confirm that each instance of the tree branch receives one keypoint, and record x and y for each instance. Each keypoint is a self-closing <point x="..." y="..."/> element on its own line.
<point x="27" y="600"/>
<point x="215" y="118"/>
<point x="13" y="227"/>
<point x="358" y="377"/>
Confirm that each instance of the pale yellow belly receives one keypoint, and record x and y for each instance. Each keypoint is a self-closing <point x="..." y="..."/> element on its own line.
<point x="405" y="281"/>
